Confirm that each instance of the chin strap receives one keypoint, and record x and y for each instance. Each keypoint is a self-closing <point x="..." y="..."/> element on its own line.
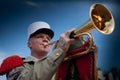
<point x="9" y="63"/>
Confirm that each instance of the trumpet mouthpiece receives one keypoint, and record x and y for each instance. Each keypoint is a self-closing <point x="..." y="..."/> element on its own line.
<point x="51" y="43"/>
<point x="45" y="44"/>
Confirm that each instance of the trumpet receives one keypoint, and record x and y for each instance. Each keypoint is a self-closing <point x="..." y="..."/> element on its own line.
<point x="101" y="19"/>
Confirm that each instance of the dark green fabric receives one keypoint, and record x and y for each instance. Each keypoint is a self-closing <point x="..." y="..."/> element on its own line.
<point x="72" y="73"/>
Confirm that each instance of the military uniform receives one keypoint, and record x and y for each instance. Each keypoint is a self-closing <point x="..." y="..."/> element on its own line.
<point x="37" y="69"/>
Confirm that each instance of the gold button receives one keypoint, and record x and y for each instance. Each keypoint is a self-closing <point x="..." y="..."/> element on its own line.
<point x="57" y="54"/>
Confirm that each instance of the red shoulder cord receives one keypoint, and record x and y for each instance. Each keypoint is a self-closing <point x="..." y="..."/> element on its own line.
<point x="10" y="63"/>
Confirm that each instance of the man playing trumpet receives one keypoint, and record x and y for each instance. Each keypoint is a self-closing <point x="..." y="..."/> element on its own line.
<point x="39" y="66"/>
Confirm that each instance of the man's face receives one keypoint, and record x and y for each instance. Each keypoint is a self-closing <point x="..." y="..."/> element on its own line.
<point x="36" y="43"/>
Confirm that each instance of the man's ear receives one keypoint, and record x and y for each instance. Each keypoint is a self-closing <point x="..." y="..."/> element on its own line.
<point x="29" y="44"/>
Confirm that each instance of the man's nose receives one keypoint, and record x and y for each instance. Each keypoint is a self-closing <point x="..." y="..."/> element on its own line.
<point x="45" y="39"/>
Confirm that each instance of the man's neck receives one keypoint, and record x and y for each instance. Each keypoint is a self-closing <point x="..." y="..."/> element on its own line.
<point x="39" y="56"/>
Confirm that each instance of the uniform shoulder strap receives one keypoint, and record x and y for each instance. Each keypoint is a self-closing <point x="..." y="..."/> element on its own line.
<point x="9" y="63"/>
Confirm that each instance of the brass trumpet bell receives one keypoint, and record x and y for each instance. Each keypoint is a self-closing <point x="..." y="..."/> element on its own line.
<point x="100" y="19"/>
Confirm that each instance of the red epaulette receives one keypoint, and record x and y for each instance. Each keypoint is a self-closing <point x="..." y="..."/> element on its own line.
<point x="10" y="63"/>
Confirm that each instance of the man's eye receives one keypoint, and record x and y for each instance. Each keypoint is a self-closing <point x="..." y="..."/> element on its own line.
<point x="38" y="36"/>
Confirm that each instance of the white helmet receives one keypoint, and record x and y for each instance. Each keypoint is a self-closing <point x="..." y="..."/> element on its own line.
<point x="39" y="27"/>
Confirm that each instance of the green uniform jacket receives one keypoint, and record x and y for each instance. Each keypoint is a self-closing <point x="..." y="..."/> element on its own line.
<point x="42" y="69"/>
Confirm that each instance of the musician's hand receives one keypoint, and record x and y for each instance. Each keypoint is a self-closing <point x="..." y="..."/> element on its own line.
<point x="65" y="41"/>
